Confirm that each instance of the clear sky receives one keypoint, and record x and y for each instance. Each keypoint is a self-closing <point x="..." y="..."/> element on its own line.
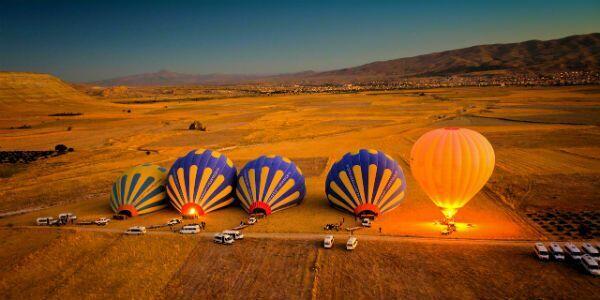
<point x="91" y="40"/>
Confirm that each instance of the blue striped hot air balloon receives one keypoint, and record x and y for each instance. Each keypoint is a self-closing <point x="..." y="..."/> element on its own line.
<point x="200" y="182"/>
<point x="139" y="190"/>
<point x="365" y="182"/>
<point x="269" y="184"/>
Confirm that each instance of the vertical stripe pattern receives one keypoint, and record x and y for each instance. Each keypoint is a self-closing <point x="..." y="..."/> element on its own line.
<point x="270" y="184"/>
<point x="367" y="180"/>
<point x="139" y="190"/>
<point x="200" y="182"/>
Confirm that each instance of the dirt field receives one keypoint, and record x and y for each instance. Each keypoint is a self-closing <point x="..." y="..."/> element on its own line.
<point x="547" y="145"/>
<point x="59" y="264"/>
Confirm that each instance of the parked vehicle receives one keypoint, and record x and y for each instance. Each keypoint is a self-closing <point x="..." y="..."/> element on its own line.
<point x="251" y="220"/>
<point x="120" y="217"/>
<point x="102" y="221"/>
<point x="221" y="238"/>
<point x="66" y="218"/>
<point x="173" y="222"/>
<point x="590" y="264"/>
<point x="556" y="251"/>
<point x="351" y="243"/>
<point x="541" y="252"/>
<point x="328" y="242"/>
<point x="44" y="221"/>
<point x="590" y="250"/>
<point x="136" y="230"/>
<point x="235" y="234"/>
<point x="366" y="222"/>
<point x="572" y="251"/>
<point x="190" y="229"/>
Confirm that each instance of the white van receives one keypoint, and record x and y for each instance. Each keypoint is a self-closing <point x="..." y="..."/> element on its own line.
<point x="541" y="252"/>
<point x="351" y="243"/>
<point x="590" y="265"/>
<point x="557" y="251"/>
<point x="590" y="250"/>
<point x="190" y="229"/>
<point x="328" y="241"/>
<point x="136" y="230"/>
<point x="235" y="234"/>
<point x="44" y="221"/>
<point x="221" y="238"/>
<point x="572" y="251"/>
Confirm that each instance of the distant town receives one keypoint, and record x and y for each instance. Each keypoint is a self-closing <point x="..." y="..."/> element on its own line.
<point x="463" y="80"/>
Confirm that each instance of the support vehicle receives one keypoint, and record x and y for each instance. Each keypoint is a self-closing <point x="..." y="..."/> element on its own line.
<point x="44" y="221"/>
<point x="590" y="265"/>
<point x="351" y="243"/>
<point x="173" y="222"/>
<point x="557" y="252"/>
<point x="136" y="230"/>
<point x="221" y="238"/>
<point x="66" y="218"/>
<point x="235" y="234"/>
<point x="328" y="241"/>
<point x="541" y="251"/>
<point x="366" y="222"/>
<point x="590" y="250"/>
<point x="102" y="221"/>
<point x="190" y="229"/>
<point x="251" y="220"/>
<point x="572" y="251"/>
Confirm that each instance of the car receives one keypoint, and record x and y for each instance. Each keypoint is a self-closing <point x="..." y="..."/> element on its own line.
<point x="174" y="222"/>
<point x="366" y="222"/>
<point x="590" y="250"/>
<point x="541" y="251"/>
<point x="235" y="234"/>
<point x="136" y="230"/>
<point x="44" y="221"/>
<point x="120" y="217"/>
<point x="572" y="251"/>
<point x="590" y="264"/>
<point x="190" y="229"/>
<point x="221" y="238"/>
<point x="251" y="220"/>
<point x="557" y="252"/>
<point x="351" y="243"/>
<point x="328" y="241"/>
<point x="102" y="221"/>
<point x="67" y="218"/>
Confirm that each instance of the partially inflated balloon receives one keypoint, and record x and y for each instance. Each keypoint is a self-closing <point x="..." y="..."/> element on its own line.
<point x="367" y="181"/>
<point x="139" y="190"/>
<point x="200" y="182"/>
<point x="452" y="165"/>
<point x="269" y="184"/>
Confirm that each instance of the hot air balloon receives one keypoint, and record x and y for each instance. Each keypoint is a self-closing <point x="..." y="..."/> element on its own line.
<point x="452" y="165"/>
<point x="367" y="182"/>
<point x="139" y="190"/>
<point x="200" y="182"/>
<point x="269" y="184"/>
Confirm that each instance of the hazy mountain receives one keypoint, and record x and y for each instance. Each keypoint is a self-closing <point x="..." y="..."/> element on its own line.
<point x="578" y="52"/>
<point x="164" y="77"/>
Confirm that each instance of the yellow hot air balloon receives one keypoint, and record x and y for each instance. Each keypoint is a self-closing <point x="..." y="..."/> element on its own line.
<point x="452" y="165"/>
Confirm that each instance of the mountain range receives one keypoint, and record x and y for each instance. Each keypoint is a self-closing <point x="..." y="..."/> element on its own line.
<point x="572" y="53"/>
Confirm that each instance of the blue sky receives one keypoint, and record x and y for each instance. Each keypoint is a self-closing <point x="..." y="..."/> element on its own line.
<point x="91" y="40"/>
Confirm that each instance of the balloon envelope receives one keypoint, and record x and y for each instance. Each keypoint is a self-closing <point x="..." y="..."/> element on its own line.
<point x="269" y="184"/>
<point x="139" y="190"/>
<point x="452" y="165"/>
<point x="200" y="182"/>
<point x="368" y="181"/>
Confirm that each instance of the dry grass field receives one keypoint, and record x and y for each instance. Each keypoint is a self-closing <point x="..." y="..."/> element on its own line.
<point x="547" y="144"/>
